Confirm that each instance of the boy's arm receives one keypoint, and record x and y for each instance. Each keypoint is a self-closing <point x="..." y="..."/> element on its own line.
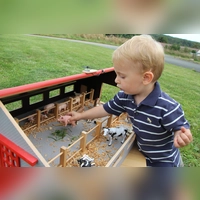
<point x="182" y="137"/>
<point x="92" y="113"/>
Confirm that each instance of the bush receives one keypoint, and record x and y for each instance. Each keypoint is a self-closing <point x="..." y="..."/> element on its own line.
<point x="193" y="51"/>
<point x="186" y="50"/>
<point x="175" y="47"/>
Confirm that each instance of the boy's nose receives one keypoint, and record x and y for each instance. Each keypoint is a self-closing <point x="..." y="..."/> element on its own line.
<point x="116" y="80"/>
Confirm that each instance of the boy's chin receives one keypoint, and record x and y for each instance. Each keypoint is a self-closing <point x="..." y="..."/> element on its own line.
<point x="126" y="92"/>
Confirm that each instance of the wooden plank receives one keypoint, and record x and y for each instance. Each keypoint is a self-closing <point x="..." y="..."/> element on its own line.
<point x="134" y="158"/>
<point x="122" y="152"/>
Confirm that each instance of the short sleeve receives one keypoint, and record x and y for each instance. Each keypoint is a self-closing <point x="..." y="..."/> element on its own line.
<point x="174" y="118"/>
<point x="115" y="106"/>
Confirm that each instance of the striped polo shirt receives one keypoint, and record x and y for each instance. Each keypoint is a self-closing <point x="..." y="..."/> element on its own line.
<point x="154" y="121"/>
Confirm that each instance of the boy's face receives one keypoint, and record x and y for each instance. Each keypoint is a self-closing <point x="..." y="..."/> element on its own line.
<point x="129" y="77"/>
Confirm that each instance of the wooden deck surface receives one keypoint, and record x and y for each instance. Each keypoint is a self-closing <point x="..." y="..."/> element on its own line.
<point x="134" y="158"/>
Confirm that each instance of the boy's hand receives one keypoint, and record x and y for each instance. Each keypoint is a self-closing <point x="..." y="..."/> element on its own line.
<point x="182" y="137"/>
<point x="75" y="116"/>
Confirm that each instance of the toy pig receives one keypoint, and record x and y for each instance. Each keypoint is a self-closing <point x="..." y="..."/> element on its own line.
<point x="65" y="119"/>
<point x="61" y="107"/>
<point x="49" y="107"/>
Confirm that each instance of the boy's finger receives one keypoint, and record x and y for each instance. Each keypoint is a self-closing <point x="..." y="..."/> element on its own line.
<point x="176" y="143"/>
<point x="70" y="113"/>
<point x="183" y="129"/>
<point x="187" y="133"/>
<point x="185" y="138"/>
<point x="180" y="141"/>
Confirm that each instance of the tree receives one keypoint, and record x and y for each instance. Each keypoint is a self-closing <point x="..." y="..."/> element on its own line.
<point x="186" y="50"/>
<point x="162" y="39"/>
<point x="193" y="51"/>
<point x="166" y="47"/>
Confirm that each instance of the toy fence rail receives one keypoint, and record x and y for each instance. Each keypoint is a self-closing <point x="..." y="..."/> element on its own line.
<point x="75" y="104"/>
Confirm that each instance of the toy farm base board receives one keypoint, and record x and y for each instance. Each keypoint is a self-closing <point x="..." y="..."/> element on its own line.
<point x="49" y="143"/>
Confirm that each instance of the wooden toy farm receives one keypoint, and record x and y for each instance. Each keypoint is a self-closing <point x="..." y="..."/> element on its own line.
<point x="31" y="135"/>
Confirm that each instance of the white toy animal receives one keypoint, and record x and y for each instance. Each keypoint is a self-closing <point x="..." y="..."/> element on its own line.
<point x="115" y="132"/>
<point x="86" y="161"/>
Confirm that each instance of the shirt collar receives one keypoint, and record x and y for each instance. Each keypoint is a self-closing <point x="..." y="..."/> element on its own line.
<point x="152" y="98"/>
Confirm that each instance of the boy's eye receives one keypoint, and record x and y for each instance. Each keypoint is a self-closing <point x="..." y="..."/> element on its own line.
<point x="122" y="76"/>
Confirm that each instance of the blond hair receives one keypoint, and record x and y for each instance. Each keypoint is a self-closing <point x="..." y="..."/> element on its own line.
<point x="144" y="50"/>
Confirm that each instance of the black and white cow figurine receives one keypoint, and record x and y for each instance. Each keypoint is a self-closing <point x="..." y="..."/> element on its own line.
<point x="85" y="161"/>
<point x="115" y="132"/>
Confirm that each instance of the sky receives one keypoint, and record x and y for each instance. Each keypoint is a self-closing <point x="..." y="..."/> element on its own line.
<point x="191" y="37"/>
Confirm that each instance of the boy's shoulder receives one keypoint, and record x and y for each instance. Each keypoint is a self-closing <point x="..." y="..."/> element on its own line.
<point x="166" y="97"/>
<point x="167" y="102"/>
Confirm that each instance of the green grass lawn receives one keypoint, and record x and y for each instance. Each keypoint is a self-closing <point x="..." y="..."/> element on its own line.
<point x="25" y="59"/>
<point x="184" y="86"/>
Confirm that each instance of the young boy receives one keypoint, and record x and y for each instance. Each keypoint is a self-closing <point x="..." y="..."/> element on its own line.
<point x="158" y="120"/>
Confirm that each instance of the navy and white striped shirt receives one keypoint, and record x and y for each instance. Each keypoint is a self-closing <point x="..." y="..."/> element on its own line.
<point x="154" y="121"/>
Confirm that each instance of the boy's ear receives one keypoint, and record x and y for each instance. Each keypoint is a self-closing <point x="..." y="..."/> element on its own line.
<point x="148" y="77"/>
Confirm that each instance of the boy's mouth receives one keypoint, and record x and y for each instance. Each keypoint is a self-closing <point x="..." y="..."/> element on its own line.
<point x="119" y="87"/>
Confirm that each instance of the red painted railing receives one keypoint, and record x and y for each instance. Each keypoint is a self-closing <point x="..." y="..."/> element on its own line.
<point x="10" y="154"/>
<point x="38" y="85"/>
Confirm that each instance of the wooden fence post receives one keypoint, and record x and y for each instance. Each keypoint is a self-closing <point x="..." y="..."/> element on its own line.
<point x="17" y="120"/>
<point x="83" y="141"/>
<point x="98" y="129"/>
<point x="91" y="95"/>
<point x="70" y="104"/>
<point x="109" y="121"/>
<point x="38" y="117"/>
<point x="63" y="150"/>
<point x="83" y="98"/>
<point x="56" y="110"/>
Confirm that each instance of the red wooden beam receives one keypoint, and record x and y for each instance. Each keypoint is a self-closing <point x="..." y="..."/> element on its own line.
<point x="27" y="157"/>
<point x="38" y="85"/>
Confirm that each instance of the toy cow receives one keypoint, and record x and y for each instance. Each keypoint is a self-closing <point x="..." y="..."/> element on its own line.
<point x="115" y="132"/>
<point x="65" y="119"/>
<point x="49" y="107"/>
<point x="86" y="161"/>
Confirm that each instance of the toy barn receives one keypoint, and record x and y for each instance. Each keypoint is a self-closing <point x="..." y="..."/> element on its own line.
<point x="32" y="133"/>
